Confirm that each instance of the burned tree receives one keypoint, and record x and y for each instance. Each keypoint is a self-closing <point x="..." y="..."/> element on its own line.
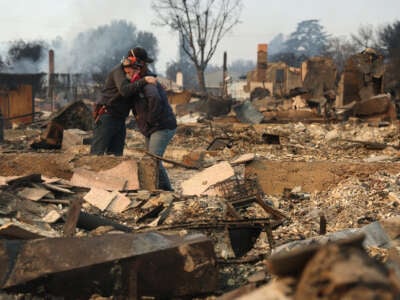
<point x="201" y="26"/>
<point x="389" y="38"/>
<point x="365" y="37"/>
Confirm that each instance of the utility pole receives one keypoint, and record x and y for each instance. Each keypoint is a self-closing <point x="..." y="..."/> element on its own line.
<point x="224" y="79"/>
<point x="50" y="90"/>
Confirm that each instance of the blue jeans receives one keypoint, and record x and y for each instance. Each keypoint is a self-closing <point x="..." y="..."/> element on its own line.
<point x="156" y="144"/>
<point x="108" y="136"/>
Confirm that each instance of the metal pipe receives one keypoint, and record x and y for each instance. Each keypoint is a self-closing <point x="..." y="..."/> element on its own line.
<point x="1" y="128"/>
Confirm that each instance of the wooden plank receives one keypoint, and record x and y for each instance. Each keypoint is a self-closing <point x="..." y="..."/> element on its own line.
<point x="72" y="217"/>
<point x="199" y="183"/>
<point x="244" y="158"/>
<point x="51" y="217"/>
<point x="57" y="188"/>
<point x="33" y="194"/>
<point x="23" y="231"/>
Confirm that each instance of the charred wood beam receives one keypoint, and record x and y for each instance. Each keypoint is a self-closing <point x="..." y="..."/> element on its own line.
<point x="169" y="160"/>
<point x="127" y="266"/>
<point x="370" y="145"/>
<point x="322" y="224"/>
<point x="218" y="225"/>
<point x="90" y="222"/>
<point x="244" y="260"/>
<point x="292" y="263"/>
<point x="72" y="217"/>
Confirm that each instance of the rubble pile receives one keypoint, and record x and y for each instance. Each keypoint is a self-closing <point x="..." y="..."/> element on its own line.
<point x="256" y="208"/>
<point x="352" y="203"/>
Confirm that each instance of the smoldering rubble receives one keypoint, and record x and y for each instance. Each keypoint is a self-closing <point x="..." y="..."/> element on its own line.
<point x="291" y="196"/>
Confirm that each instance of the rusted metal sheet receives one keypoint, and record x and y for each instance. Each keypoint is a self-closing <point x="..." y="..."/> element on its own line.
<point x="126" y="265"/>
<point x="17" y="92"/>
<point x="179" y="97"/>
<point x="17" y="105"/>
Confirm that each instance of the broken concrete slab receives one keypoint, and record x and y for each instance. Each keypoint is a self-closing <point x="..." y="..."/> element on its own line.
<point x="169" y="266"/>
<point x="199" y="183"/>
<point x="128" y="170"/>
<point x="33" y="194"/>
<point x="91" y="179"/>
<point x="100" y="198"/>
<point x="119" y="203"/>
<point x="73" y="137"/>
<point x="52" y="216"/>
<point x="23" y="231"/>
<point x="244" y="158"/>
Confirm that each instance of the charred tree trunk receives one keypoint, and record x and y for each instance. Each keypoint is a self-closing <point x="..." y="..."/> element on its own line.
<point x="202" y="81"/>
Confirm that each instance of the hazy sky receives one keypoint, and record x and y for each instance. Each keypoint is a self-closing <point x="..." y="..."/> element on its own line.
<point x="261" y="21"/>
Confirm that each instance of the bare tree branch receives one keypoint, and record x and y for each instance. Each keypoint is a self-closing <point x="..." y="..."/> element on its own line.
<point x="201" y="25"/>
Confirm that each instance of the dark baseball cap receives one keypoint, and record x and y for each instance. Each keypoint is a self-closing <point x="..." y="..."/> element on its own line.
<point x="141" y="54"/>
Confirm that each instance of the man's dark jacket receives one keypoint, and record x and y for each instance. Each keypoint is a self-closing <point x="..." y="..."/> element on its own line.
<point x="118" y="91"/>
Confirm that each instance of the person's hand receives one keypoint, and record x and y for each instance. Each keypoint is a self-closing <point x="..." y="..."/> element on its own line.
<point x="150" y="79"/>
<point x="128" y="76"/>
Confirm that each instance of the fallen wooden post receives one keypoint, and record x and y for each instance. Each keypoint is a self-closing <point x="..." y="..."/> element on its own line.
<point x="170" y="161"/>
<point x="72" y="217"/>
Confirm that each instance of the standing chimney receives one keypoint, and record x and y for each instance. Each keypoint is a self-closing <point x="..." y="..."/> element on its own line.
<point x="50" y="91"/>
<point x="262" y="54"/>
<point x="179" y="79"/>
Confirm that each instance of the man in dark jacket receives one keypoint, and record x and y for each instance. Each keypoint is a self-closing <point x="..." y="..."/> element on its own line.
<point x="155" y="119"/>
<point x="115" y="103"/>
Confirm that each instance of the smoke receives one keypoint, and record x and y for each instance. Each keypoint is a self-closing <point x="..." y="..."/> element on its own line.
<point x="23" y="57"/>
<point x="94" y="51"/>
